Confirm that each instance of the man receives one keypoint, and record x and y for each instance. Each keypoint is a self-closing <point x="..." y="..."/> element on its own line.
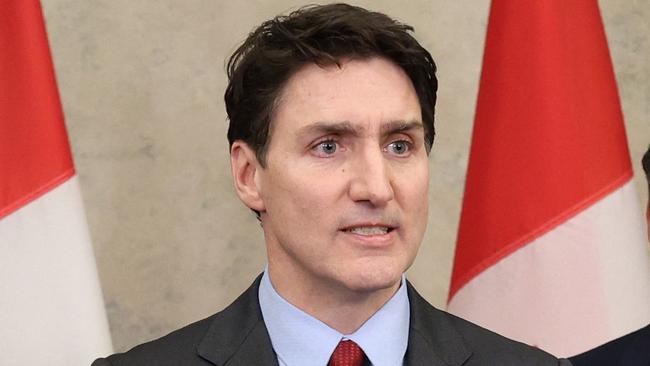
<point x="331" y="122"/>
<point x="634" y="348"/>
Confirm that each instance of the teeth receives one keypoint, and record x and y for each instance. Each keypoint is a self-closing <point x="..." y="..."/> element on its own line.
<point x="372" y="230"/>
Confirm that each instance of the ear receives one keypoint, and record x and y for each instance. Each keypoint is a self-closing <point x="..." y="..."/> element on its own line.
<point x="245" y="169"/>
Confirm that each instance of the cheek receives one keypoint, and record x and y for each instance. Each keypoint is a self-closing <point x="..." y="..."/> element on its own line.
<point x="414" y="204"/>
<point x="414" y="187"/>
<point x="308" y="195"/>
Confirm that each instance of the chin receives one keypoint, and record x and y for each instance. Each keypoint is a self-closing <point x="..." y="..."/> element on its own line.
<point x="374" y="278"/>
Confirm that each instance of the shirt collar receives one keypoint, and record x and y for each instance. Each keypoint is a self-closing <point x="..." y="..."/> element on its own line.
<point x="300" y="339"/>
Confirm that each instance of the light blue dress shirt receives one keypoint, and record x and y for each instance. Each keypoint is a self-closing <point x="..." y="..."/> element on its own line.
<point x="299" y="339"/>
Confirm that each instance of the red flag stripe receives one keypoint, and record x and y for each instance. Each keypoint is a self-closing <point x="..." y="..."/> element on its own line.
<point x="548" y="138"/>
<point x="34" y="151"/>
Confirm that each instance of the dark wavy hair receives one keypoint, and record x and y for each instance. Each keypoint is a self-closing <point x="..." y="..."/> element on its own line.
<point x="324" y="35"/>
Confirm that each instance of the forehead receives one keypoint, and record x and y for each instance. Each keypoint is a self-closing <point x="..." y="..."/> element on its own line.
<point x="366" y="93"/>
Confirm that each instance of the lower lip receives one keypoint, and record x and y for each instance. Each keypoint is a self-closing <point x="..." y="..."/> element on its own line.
<point x="380" y="240"/>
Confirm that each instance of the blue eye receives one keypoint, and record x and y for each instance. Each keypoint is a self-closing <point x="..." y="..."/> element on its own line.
<point x="327" y="147"/>
<point x="400" y="147"/>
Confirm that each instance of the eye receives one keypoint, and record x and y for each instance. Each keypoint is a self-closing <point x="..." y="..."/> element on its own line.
<point x="325" y="148"/>
<point x="400" y="147"/>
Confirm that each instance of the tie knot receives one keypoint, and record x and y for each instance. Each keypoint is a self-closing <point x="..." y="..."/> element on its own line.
<point x="347" y="353"/>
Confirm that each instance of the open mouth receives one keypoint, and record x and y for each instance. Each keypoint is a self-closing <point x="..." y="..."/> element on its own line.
<point x="369" y="230"/>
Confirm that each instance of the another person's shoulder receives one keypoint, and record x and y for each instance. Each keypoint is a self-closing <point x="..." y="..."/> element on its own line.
<point x="629" y="350"/>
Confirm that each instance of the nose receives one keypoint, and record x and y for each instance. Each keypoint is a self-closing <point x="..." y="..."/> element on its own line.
<point x="371" y="179"/>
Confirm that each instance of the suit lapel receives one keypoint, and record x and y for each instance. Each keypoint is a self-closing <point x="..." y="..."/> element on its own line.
<point x="433" y="340"/>
<point x="238" y="336"/>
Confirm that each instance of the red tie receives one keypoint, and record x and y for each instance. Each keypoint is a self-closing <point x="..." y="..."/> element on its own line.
<point x="347" y="353"/>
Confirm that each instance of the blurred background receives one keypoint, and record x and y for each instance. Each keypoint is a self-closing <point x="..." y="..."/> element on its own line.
<point x="142" y="87"/>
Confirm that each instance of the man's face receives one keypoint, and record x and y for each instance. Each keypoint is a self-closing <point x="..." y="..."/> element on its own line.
<point x="345" y="189"/>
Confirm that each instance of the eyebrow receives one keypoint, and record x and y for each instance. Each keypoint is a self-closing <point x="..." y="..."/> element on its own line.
<point x="327" y="128"/>
<point x="401" y="126"/>
<point x="346" y="128"/>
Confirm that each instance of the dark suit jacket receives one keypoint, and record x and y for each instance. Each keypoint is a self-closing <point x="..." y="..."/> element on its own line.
<point x="630" y="350"/>
<point x="237" y="336"/>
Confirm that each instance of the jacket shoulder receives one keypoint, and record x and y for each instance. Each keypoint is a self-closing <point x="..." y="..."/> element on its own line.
<point x="491" y="348"/>
<point x="206" y="342"/>
<point x="176" y="348"/>
<point x="458" y="341"/>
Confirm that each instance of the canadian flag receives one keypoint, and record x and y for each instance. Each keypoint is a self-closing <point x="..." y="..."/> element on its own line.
<point x="551" y="247"/>
<point x="51" y="308"/>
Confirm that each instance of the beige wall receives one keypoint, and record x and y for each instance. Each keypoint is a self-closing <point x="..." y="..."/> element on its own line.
<point x="142" y="85"/>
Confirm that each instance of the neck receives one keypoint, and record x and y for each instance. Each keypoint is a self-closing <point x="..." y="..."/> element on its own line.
<point x="342" y="309"/>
